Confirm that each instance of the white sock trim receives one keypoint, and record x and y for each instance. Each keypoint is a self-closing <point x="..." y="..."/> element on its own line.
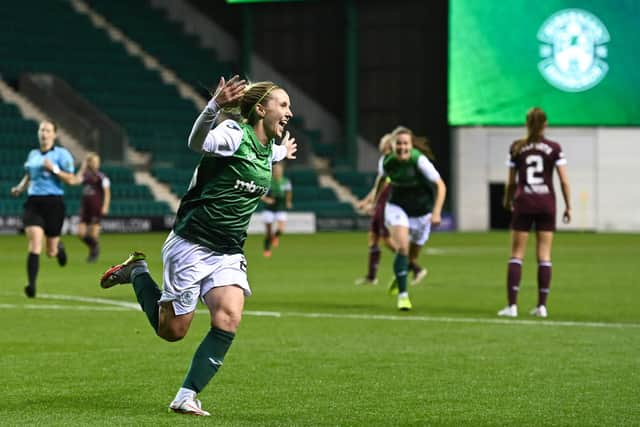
<point x="185" y="393"/>
<point x="135" y="271"/>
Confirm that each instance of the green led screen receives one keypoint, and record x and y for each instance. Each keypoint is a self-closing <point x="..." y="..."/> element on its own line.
<point x="577" y="60"/>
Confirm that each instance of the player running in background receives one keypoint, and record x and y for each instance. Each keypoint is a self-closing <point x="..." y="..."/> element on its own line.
<point x="529" y="194"/>
<point x="96" y="197"/>
<point x="203" y="255"/>
<point x="377" y="229"/>
<point x="415" y="203"/>
<point x="276" y="202"/>
<point x="46" y="169"/>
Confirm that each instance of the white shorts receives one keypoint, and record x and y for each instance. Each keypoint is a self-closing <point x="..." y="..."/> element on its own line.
<point x="268" y="217"/>
<point x="419" y="226"/>
<point x="191" y="270"/>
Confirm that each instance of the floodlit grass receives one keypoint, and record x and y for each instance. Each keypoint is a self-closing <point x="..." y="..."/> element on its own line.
<point x="315" y="350"/>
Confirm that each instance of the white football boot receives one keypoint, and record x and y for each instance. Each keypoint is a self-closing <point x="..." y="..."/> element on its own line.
<point x="539" y="311"/>
<point x="188" y="406"/>
<point x="509" y="311"/>
<point x="365" y="281"/>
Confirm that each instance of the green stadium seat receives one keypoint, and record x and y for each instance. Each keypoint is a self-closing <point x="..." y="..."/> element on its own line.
<point x="352" y="178"/>
<point x="311" y="193"/>
<point x="360" y="191"/>
<point x="307" y="177"/>
<point x="326" y="208"/>
<point x="11" y="207"/>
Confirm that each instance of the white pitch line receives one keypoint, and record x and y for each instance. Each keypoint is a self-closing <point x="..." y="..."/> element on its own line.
<point x="63" y="307"/>
<point x="462" y="320"/>
<point x="126" y="306"/>
<point x="133" y="305"/>
<point x="458" y="250"/>
<point x="104" y="301"/>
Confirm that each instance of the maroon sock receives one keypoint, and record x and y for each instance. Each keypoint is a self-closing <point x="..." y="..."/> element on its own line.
<point x="89" y="241"/>
<point x="514" y="272"/>
<point x="415" y="268"/>
<point x="374" y="261"/>
<point x="544" y="282"/>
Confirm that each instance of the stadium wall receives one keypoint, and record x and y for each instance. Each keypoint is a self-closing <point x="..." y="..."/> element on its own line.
<point x="601" y="168"/>
<point x="297" y="223"/>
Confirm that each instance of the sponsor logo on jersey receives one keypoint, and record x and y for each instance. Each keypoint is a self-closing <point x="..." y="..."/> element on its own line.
<point x="250" y="187"/>
<point x="573" y="50"/>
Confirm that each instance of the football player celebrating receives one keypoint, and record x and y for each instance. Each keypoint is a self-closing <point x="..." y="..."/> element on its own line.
<point x="415" y="203"/>
<point x="203" y="255"/>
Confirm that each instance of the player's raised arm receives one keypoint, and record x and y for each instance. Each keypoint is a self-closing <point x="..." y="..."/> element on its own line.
<point x="226" y="95"/>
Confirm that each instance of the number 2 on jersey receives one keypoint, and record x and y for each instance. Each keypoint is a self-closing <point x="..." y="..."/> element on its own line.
<point x="535" y="167"/>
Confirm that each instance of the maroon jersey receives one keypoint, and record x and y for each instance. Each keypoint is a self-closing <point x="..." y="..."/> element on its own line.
<point x="93" y="185"/>
<point x="377" y="221"/>
<point x="534" y="166"/>
<point x="383" y="197"/>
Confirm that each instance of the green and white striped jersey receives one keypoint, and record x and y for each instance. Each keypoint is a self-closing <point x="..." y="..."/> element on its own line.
<point x="411" y="182"/>
<point x="233" y="174"/>
<point x="279" y="189"/>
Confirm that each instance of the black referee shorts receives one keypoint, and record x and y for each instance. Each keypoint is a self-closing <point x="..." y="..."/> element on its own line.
<point x="46" y="212"/>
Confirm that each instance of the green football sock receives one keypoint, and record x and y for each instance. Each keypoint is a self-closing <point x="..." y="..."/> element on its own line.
<point x="400" y="268"/>
<point x="148" y="295"/>
<point x="208" y="359"/>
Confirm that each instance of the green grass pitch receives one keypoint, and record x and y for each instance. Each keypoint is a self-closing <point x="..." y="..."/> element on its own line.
<point x="315" y="350"/>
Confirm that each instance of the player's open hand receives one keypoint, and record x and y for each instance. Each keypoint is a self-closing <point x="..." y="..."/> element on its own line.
<point x="228" y="93"/>
<point x="290" y="144"/>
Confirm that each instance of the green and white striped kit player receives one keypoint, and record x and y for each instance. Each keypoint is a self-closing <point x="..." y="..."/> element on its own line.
<point x="409" y="210"/>
<point x="279" y="189"/>
<point x="411" y="187"/>
<point x="227" y="184"/>
<point x="205" y="247"/>
<point x="203" y="256"/>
